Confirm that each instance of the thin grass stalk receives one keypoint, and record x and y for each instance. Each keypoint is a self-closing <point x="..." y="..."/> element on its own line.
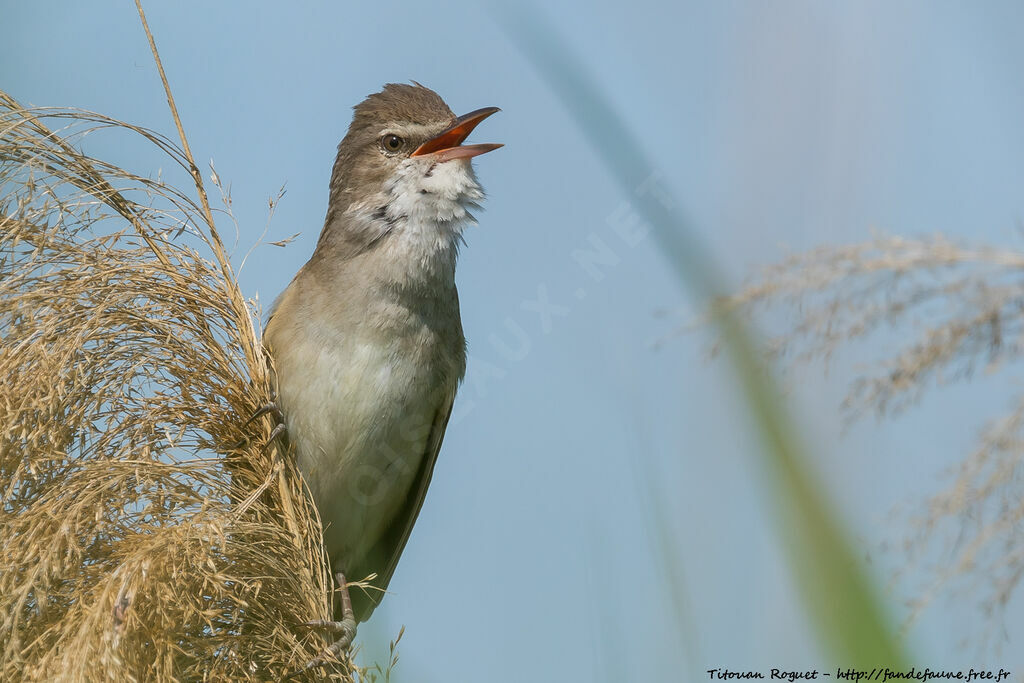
<point x="839" y="597"/>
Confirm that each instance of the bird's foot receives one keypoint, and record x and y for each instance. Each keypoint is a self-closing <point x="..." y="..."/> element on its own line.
<point x="271" y="408"/>
<point x="279" y="429"/>
<point x="345" y="629"/>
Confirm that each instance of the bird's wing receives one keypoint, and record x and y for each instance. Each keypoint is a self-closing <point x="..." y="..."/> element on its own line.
<point x="385" y="553"/>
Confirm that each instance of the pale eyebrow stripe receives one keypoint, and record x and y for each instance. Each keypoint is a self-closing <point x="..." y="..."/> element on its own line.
<point x="415" y="129"/>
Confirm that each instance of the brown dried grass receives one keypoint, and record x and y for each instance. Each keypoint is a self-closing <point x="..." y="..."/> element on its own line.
<point x="140" y="540"/>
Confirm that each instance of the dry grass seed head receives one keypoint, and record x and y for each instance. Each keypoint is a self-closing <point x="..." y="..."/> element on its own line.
<point x="949" y="311"/>
<point x="130" y="361"/>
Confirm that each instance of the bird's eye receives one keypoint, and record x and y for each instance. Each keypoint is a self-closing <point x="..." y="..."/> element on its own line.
<point x="391" y="143"/>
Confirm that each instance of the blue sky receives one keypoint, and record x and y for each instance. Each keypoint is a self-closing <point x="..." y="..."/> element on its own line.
<point x="779" y="126"/>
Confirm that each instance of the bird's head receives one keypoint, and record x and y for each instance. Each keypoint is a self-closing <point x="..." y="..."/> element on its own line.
<point x="403" y="159"/>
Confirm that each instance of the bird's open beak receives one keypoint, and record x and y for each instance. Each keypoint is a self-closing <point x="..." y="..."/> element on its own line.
<point x="447" y="145"/>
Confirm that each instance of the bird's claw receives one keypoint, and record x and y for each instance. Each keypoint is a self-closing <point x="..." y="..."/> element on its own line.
<point x="271" y="408"/>
<point x="346" y="629"/>
<point x="277" y="431"/>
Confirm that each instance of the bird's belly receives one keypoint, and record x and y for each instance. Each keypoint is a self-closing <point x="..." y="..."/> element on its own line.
<point x="360" y="416"/>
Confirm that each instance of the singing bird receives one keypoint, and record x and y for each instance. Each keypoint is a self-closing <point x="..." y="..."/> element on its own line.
<point x="367" y="342"/>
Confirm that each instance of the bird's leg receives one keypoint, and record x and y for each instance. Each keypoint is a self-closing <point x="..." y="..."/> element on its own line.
<point x="346" y="628"/>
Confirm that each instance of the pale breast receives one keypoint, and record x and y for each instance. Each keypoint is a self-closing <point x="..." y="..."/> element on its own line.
<point x="359" y="401"/>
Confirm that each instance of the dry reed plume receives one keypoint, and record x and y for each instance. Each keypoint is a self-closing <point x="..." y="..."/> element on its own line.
<point x="955" y="310"/>
<point x="133" y="549"/>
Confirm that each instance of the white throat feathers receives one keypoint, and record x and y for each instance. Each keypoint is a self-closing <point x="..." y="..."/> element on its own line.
<point x="419" y="219"/>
